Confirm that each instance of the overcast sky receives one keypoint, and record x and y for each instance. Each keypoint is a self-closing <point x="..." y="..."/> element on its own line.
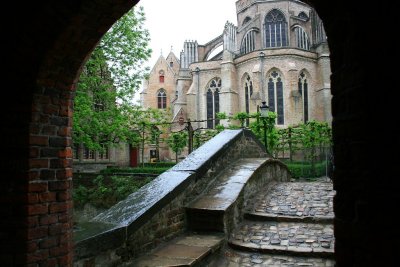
<point x="172" y="22"/>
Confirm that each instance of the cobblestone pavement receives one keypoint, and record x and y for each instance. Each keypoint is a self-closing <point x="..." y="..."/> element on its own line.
<point x="295" y="237"/>
<point x="233" y="258"/>
<point x="279" y="236"/>
<point x="298" y="199"/>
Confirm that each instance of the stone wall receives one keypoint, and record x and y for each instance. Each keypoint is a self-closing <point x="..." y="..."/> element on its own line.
<point x="264" y="177"/>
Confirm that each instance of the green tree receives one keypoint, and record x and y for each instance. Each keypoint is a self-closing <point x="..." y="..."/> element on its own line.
<point x="149" y="124"/>
<point x="241" y="116"/>
<point x="315" y="135"/>
<point x="102" y="108"/>
<point x="177" y="142"/>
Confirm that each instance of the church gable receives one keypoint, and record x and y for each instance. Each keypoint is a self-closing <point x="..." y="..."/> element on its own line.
<point x="173" y="62"/>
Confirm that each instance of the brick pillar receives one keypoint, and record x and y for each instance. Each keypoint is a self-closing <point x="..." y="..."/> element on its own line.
<point x="45" y="47"/>
<point x="49" y="189"/>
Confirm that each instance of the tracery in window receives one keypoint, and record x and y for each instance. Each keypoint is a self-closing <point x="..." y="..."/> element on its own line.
<point x="303" y="90"/>
<point x="212" y="100"/>
<point x="161" y="99"/>
<point x="249" y="42"/>
<point x="302" y="40"/>
<point x="275" y="95"/>
<point x="275" y="28"/>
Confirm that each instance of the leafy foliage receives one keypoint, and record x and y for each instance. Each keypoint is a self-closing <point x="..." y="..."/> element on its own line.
<point x="126" y="48"/>
<point x="306" y="169"/>
<point x="149" y="124"/>
<point x="102" y="108"/>
<point x="127" y="170"/>
<point x="202" y="136"/>
<point x="104" y="193"/>
<point x="177" y="142"/>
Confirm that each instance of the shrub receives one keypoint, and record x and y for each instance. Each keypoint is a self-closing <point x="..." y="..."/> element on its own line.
<point x="160" y="164"/>
<point x="104" y="193"/>
<point x="152" y="170"/>
<point x="304" y="169"/>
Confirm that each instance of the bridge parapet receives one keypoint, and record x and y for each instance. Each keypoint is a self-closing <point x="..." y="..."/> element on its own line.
<point x="156" y="213"/>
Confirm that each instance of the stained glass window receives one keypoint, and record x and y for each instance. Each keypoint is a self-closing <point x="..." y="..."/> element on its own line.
<point x="275" y="27"/>
<point x="303" y="90"/>
<point x="275" y="96"/>
<point x="212" y="99"/>
<point x="161" y="99"/>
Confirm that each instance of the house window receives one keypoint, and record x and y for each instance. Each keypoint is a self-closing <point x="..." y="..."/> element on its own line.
<point x="275" y="27"/>
<point x="104" y="153"/>
<point x="212" y="99"/>
<point x="302" y="40"/>
<point x="248" y="92"/>
<point x="171" y="64"/>
<point x="88" y="153"/>
<point x="161" y="76"/>
<point x="303" y="90"/>
<point x="161" y="99"/>
<point x="248" y="42"/>
<point x="275" y="96"/>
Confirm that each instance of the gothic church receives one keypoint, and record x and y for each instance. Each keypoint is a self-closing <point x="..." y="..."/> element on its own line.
<point x="277" y="53"/>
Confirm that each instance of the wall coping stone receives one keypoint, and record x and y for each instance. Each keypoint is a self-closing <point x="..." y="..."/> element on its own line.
<point x="200" y="159"/>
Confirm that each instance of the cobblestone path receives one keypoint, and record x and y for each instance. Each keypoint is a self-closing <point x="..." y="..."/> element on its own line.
<point x="290" y="225"/>
<point x="299" y="199"/>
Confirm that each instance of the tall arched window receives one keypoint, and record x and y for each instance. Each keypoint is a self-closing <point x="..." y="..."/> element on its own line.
<point x="248" y="42"/>
<point x="213" y="102"/>
<point x="161" y="99"/>
<point x="302" y="40"/>
<point x="248" y="91"/>
<point x="275" y="96"/>
<point x="275" y="27"/>
<point x="303" y="90"/>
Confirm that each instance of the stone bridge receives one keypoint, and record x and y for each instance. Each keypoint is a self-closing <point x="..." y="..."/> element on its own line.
<point x="205" y="193"/>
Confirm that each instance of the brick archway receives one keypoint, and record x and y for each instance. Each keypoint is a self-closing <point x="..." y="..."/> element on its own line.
<point x="46" y="45"/>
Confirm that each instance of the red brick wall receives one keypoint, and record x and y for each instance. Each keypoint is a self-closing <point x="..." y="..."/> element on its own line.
<point x="46" y="46"/>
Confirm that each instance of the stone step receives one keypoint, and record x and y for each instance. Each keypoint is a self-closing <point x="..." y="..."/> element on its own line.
<point x="287" y="238"/>
<point x="207" y="213"/>
<point x="295" y="201"/>
<point x="187" y="250"/>
<point x="263" y="216"/>
<point x="233" y="258"/>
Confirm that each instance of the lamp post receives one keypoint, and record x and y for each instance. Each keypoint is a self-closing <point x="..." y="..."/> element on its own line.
<point x="264" y="117"/>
